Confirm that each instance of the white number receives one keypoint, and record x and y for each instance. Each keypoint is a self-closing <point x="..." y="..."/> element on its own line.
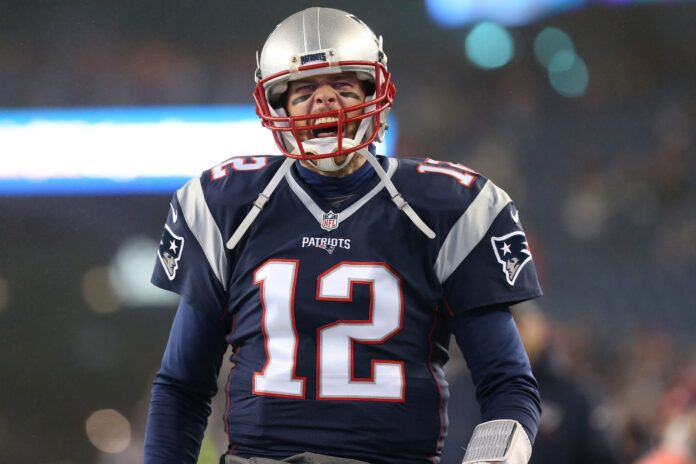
<point x="277" y="378"/>
<point x="335" y="341"/>
<point x="253" y="163"/>
<point x="464" y="175"/>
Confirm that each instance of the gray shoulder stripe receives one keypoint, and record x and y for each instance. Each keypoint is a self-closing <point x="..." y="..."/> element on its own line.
<point x="201" y="223"/>
<point x="470" y="229"/>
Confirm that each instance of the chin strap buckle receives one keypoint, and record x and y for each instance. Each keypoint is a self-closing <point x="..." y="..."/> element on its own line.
<point x="399" y="201"/>
<point x="261" y="201"/>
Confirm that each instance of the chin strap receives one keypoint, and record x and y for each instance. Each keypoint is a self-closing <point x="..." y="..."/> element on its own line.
<point x="329" y="164"/>
<point x="396" y="196"/>
<point x="259" y="203"/>
<point x="326" y="145"/>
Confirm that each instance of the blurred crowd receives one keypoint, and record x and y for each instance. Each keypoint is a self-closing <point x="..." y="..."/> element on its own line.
<point x="628" y="402"/>
<point x="603" y="181"/>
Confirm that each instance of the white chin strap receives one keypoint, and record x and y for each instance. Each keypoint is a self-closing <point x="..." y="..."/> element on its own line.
<point x="330" y="165"/>
<point x="327" y="145"/>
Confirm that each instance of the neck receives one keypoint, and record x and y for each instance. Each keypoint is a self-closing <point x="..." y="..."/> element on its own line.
<point x="355" y="164"/>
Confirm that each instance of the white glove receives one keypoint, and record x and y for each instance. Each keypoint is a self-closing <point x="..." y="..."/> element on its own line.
<point x="498" y="441"/>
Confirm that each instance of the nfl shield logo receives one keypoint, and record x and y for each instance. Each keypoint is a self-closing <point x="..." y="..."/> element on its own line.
<point x="329" y="221"/>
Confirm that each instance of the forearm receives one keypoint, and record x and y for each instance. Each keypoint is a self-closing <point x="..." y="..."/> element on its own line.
<point x="184" y="386"/>
<point x="512" y="395"/>
<point x="505" y="386"/>
<point x="176" y="423"/>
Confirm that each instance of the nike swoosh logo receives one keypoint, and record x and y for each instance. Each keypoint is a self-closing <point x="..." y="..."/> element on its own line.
<point x="175" y="215"/>
<point x="515" y="216"/>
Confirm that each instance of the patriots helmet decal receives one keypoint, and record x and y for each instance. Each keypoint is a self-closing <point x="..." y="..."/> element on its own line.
<point x="170" y="248"/>
<point x="512" y="252"/>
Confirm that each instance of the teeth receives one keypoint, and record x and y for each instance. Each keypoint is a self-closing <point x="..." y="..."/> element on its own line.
<point x="325" y="120"/>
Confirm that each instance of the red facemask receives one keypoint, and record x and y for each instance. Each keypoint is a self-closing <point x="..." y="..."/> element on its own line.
<point x="287" y="126"/>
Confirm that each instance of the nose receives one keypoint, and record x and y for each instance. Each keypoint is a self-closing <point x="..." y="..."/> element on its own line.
<point x="325" y="96"/>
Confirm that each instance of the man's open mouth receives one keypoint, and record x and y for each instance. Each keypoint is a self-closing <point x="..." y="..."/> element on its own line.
<point x="329" y="130"/>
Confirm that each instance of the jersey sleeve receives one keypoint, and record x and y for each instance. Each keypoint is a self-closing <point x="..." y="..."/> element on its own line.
<point x="191" y="259"/>
<point x="485" y="259"/>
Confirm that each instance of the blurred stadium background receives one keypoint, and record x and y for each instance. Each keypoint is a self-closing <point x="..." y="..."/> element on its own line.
<point x="584" y="111"/>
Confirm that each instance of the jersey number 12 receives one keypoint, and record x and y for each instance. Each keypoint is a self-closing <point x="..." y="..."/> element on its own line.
<point x="335" y="381"/>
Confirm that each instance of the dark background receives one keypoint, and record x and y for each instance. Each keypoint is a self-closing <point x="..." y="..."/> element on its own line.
<point x="603" y="182"/>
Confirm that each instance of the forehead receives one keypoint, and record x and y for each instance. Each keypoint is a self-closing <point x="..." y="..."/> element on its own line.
<point x="350" y="76"/>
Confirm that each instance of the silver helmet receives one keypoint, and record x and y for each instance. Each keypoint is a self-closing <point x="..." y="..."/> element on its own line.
<point x="319" y="41"/>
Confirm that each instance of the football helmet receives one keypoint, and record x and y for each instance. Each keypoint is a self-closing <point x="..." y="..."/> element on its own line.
<point x="319" y="41"/>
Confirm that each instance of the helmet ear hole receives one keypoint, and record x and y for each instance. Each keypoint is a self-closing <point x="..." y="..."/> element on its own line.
<point x="368" y="87"/>
<point x="280" y="101"/>
<point x="278" y="95"/>
<point x="367" y="82"/>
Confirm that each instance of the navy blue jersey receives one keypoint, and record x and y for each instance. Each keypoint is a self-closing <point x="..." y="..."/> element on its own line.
<point x="339" y="314"/>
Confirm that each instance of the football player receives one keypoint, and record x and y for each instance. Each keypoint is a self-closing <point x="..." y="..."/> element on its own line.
<point x="338" y="277"/>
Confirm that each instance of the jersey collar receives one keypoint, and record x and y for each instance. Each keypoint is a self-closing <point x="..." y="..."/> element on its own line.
<point x="318" y="212"/>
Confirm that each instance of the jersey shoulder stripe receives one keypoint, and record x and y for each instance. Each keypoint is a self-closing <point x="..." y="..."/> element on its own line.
<point x="470" y="229"/>
<point x="202" y="225"/>
<point x="212" y="201"/>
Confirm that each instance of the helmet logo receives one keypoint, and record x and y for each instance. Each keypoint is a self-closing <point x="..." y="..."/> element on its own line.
<point x="320" y="56"/>
<point x="329" y="221"/>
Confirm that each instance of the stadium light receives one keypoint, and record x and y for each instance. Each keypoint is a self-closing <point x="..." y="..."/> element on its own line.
<point x="127" y="150"/>
<point x="549" y="42"/>
<point x="489" y="45"/>
<point x="568" y="74"/>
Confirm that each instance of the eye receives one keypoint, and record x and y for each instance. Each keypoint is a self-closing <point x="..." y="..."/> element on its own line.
<point x="302" y="88"/>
